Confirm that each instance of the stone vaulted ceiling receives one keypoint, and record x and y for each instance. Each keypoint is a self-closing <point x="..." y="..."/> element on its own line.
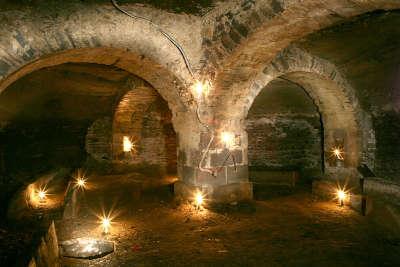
<point x="367" y="50"/>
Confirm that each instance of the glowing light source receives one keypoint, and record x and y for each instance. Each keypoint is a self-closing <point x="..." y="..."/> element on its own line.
<point x="80" y="182"/>
<point x="338" y="153"/>
<point x="201" y="88"/>
<point x="199" y="199"/>
<point x="106" y="224"/>
<point x="228" y="139"/>
<point x="38" y="196"/>
<point x="127" y="144"/>
<point x="41" y="194"/>
<point x="341" y="195"/>
<point x="80" y="179"/>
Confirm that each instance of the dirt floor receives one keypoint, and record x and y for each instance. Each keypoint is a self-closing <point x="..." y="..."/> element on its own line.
<point x="151" y="229"/>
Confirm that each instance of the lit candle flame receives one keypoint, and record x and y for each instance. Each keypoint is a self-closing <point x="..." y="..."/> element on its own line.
<point x="199" y="199"/>
<point x="106" y="224"/>
<point x="80" y="182"/>
<point x="341" y="196"/>
<point x="127" y="144"/>
<point x="338" y="153"/>
<point x="80" y="179"/>
<point x="42" y="194"/>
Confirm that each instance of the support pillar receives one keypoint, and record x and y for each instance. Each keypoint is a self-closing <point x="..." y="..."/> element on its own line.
<point x="222" y="175"/>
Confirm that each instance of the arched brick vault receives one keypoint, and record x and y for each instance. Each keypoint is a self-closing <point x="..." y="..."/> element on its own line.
<point x="333" y="95"/>
<point x="242" y="36"/>
<point x="32" y="39"/>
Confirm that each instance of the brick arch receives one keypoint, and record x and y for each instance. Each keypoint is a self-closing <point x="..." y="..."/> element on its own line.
<point x="332" y="94"/>
<point x="143" y="116"/>
<point x="248" y="34"/>
<point x="32" y="39"/>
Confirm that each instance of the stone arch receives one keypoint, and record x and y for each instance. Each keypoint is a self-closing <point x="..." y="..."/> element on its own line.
<point x="143" y="117"/>
<point x="32" y="39"/>
<point x="242" y="34"/>
<point x="333" y="95"/>
<point x="159" y="77"/>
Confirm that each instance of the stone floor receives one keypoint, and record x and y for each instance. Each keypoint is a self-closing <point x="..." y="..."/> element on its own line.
<point x="151" y="229"/>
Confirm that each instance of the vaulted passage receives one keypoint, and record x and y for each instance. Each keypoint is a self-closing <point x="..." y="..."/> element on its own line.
<point x="65" y="116"/>
<point x="47" y="114"/>
<point x="81" y="116"/>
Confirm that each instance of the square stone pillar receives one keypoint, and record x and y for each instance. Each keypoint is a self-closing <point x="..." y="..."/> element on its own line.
<point x="222" y="175"/>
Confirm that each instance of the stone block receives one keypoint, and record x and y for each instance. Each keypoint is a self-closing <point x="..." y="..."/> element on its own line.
<point x="205" y="178"/>
<point x="240" y="174"/>
<point x="232" y="193"/>
<point x="281" y="178"/>
<point x="227" y="42"/>
<point x="184" y="191"/>
<point x="218" y="158"/>
<point x="382" y="189"/>
<point x="324" y="189"/>
<point x="240" y="28"/>
<point x="235" y="36"/>
<point x="357" y="202"/>
<point x="86" y="248"/>
<point x="188" y="174"/>
<point x="205" y="138"/>
<point x="238" y="155"/>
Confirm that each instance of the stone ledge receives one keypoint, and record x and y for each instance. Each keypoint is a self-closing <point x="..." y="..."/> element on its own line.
<point x="184" y="191"/>
<point x="234" y="192"/>
<point x="381" y="188"/>
<point x="323" y="189"/>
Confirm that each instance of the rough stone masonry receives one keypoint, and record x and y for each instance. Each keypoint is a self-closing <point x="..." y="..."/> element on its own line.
<point x="241" y="46"/>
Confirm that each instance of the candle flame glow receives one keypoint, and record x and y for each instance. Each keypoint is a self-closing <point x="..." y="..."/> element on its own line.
<point x="106" y="224"/>
<point x="80" y="179"/>
<point x="80" y="182"/>
<point x="127" y="144"/>
<point x="338" y="153"/>
<point x="341" y="195"/>
<point x="199" y="199"/>
<point x="201" y="88"/>
<point x="42" y="194"/>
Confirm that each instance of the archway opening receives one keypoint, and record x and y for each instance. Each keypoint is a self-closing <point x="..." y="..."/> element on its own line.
<point x="70" y="116"/>
<point x="142" y="135"/>
<point x="285" y="137"/>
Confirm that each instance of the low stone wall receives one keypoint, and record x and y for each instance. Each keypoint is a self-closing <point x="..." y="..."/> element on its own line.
<point x="382" y="188"/>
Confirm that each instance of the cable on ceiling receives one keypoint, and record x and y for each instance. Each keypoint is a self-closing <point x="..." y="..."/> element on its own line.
<point x="164" y="33"/>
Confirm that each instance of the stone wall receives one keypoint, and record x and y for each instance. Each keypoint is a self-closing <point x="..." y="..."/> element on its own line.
<point x="284" y="130"/>
<point x="240" y="45"/>
<point x="284" y="143"/>
<point x="387" y="127"/>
